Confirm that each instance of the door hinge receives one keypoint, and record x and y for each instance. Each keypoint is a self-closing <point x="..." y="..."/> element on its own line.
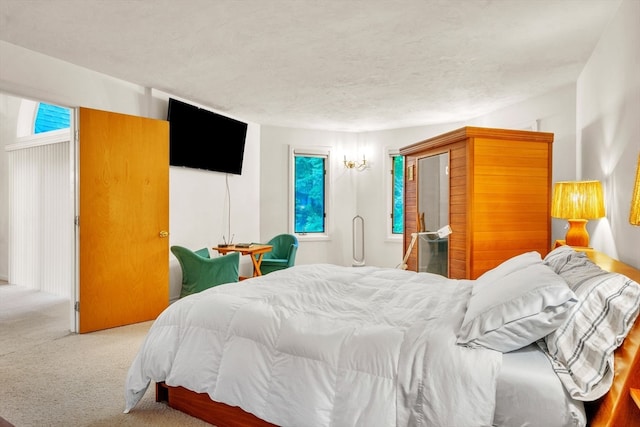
<point x="76" y="220"/>
<point x="76" y="306"/>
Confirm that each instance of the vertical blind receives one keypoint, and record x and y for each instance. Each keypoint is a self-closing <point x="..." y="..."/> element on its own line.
<point x="41" y="216"/>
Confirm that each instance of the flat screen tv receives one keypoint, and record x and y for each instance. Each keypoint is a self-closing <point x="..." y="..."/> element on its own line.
<point x="202" y="139"/>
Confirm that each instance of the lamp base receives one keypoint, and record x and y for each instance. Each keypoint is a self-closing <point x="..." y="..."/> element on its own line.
<point x="577" y="234"/>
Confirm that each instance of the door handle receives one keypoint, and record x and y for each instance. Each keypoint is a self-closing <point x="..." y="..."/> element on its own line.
<point x="164" y="234"/>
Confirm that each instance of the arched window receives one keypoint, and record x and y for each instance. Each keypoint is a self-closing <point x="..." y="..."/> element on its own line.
<point x="50" y="117"/>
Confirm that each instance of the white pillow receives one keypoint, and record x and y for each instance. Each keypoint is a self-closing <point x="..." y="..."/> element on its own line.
<point x="509" y="266"/>
<point x="517" y="309"/>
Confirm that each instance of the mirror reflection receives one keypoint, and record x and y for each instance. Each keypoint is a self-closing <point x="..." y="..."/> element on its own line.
<point x="433" y="213"/>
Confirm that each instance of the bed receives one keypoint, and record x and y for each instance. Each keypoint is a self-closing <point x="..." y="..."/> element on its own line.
<point x="321" y="344"/>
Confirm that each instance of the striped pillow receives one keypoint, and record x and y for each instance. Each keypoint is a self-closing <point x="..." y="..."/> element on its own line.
<point x="581" y="350"/>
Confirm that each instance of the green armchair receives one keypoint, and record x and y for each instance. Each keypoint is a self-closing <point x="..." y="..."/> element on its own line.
<point x="283" y="254"/>
<point x="199" y="272"/>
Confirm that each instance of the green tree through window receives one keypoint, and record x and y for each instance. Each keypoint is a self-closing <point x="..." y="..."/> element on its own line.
<point x="398" y="191"/>
<point x="309" y="194"/>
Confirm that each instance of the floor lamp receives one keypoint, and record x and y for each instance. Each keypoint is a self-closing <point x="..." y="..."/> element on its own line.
<point x="443" y="232"/>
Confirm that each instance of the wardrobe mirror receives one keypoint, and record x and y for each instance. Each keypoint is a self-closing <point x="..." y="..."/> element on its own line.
<point x="433" y="213"/>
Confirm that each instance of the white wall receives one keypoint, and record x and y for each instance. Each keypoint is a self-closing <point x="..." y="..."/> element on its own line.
<point x="603" y="128"/>
<point x="198" y="213"/>
<point x="8" y="126"/>
<point x="608" y="128"/>
<point x="274" y="190"/>
<point x="373" y="192"/>
<point x="198" y="199"/>
<point x="364" y="193"/>
<point x="596" y="136"/>
<point x="352" y="192"/>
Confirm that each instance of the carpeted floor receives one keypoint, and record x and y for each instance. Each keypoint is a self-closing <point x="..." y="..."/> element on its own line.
<point x="51" y="377"/>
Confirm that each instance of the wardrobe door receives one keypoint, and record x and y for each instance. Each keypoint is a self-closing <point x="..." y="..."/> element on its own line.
<point x="433" y="213"/>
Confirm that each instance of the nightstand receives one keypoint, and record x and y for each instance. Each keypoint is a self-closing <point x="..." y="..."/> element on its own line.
<point x="559" y="243"/>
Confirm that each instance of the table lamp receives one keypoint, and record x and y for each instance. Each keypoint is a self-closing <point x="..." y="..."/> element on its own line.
<point x="577" y="202"/>
<point x="634" y="214"/>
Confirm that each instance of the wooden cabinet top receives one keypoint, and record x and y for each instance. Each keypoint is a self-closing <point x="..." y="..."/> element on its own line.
<point x="476" y="132"/>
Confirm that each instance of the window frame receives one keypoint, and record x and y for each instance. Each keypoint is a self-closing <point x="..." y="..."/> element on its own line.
<point x="310" y="151"/>
<point x="390" y="235"/>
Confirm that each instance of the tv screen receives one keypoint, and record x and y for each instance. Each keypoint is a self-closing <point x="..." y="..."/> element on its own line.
<point x="202" y="139"/>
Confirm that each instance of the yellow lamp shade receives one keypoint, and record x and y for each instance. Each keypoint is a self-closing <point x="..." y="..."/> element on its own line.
<point x="634" y="214"/>
<point x="577" y="202"/>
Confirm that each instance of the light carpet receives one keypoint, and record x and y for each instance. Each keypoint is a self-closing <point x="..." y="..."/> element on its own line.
<point x="51" y="377"/>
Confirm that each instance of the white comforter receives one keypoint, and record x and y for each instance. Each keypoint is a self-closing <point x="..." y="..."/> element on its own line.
<point x="324" y="345"/>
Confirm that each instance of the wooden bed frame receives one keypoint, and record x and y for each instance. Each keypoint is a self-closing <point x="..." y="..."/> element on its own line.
<point x="615" y="409"/>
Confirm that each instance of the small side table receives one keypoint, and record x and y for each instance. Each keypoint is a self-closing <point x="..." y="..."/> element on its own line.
<point x="559" y="243"/>
<point x="255" y="251"/>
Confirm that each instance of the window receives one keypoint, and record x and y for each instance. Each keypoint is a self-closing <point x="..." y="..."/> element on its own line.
<point x="50" y="117"/>
<point x="397" y="193"/>
<point x="309" y="195"/>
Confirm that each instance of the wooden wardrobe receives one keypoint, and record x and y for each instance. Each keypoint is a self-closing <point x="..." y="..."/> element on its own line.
<point x="499" y="195"/>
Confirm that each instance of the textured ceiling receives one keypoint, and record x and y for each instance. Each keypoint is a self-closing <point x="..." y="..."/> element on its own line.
<point x="346" y="65"/>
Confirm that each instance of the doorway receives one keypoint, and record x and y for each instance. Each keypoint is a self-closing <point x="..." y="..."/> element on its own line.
<point x="39" y="199"/>
<point x="113" y="263"/>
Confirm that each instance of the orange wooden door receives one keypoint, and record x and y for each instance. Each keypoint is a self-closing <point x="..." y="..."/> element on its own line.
<point x="123" y="208"/>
